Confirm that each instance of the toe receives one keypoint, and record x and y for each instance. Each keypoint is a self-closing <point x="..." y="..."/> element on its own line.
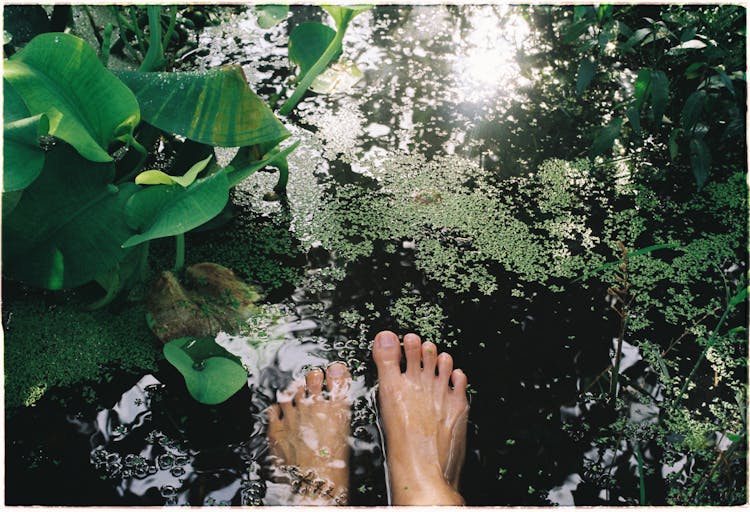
<point x="274" y="416"/>
<point x="314" y="382"/>
<point x="285" y="401"/>
<point x="459" y="381"/>
<point x="445" y="367"/>
<point x="413" y="351"/>
<point x="386" y="352"/>
<point x="429" y="359"/>
<point x="337" y="379"/>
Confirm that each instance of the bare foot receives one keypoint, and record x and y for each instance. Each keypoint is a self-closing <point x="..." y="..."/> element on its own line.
<point x="424" y="420"/>
<point x="308" y="437"/>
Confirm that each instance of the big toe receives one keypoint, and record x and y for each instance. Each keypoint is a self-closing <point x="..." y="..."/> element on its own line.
<point x="314" y="382"/>
<point x="337" y="379"/>
<point x="386" y="352"/>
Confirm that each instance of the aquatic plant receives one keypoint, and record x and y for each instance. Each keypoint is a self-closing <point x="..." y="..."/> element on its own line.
<point x="690" y="406"/>
<point x="313" y="46"/>
<point x="71" y="346"/>
<point x="211" y="373"/>
<point x="74" y="215"/>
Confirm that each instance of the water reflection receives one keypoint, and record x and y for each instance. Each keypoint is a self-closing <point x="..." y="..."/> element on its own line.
<point x="486" y="65"/>
<point x="130" y="445"/>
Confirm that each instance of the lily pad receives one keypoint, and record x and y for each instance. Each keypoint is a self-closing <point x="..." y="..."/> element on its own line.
<point x="212" y="374"/>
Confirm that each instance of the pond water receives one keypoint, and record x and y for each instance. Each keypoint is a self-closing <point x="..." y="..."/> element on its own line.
<point x="416" y="202"/>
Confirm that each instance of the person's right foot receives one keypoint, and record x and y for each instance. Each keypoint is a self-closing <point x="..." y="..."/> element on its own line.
<point x="424" y="420"/>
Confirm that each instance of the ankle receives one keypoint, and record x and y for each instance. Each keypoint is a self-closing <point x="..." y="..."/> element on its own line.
<point x="423" y="488"/>
<point x="441" y="494"/>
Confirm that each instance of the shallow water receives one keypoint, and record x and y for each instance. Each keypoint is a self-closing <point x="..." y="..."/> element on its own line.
<point x="446" y="109"/>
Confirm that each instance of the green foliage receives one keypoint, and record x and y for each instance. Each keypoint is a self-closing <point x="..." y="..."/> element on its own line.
<point x="73" y="218"/>
<point x="163" y="210"/>
<point x="271" y="15"/>
<point x="312" y="36"/>
<point x="686" y="63"/>
<point x="214" y="107"/>
<point x="69" y="225"/>
<point x="60" y="76"/>
<point x="22" y="155"/>
<point x="307" y="43"/>
<point x="212" y="374"/>
<point x="156" y="177"/>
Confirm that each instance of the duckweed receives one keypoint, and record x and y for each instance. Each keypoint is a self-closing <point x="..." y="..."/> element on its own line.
<point x="70" y="346"/>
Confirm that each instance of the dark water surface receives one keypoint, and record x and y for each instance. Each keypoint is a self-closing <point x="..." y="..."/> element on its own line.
<point x="449" y="84"/>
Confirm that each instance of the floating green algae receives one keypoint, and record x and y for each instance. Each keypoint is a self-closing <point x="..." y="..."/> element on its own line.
<point x="63" y="345"/>
<point x="412" y="313"/>
<point x="461" y="222"/>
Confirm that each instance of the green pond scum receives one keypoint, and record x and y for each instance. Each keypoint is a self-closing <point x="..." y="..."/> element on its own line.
<point x="62" y="344"/>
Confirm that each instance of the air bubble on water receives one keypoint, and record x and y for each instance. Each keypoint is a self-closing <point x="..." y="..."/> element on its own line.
<point x="165" y="461"/>
<point x="167" y="491"/>
<point x="177" y="472"/>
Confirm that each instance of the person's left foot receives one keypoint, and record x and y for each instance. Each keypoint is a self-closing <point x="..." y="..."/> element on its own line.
<point x="308" y="437"/>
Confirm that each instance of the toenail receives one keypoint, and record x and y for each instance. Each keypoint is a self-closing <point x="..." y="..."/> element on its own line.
<point x="336" y="370"/>
<point x="387" y="340"/>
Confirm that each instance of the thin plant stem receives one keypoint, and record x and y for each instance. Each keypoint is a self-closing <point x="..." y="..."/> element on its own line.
<point x="170" y="28"/>
<point x="179" y="252"/>
<point x="709" y="344"/>
<point x="154" y="58"/>
<point x="123" y="25"/>
<point x="106" y="43"/>
<point x="641" y="477"/>
<point x="144" y="155"/>
<point x="138" y="34"/>
<point x="707" y="476"/>
<point x="314" y="71"/>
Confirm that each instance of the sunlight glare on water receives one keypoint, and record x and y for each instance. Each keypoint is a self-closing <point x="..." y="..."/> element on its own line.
<point x="488" y="64"/>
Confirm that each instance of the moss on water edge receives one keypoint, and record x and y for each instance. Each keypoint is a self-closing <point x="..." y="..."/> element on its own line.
<point x="55" y="345"/>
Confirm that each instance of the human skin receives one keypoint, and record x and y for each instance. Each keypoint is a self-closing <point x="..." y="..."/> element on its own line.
<point x="424" y="419"/>
<point x="424" y="412"/>
<point x="308" y="433"/>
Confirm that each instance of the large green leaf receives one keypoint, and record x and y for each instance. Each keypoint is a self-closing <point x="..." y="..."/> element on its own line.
<point x="61" y="76"/>
<point x="606" y="136"/>
<point x="69" y="225"/>
<point x="307" y="43"/>
<point x="692" y="110"/>
<point x="212" y="374"/>
<point x="215" y="107"/>
<point x="166" y="210"/>
<point x="659" y="94"/>
<point x="13" y="106"/>
<point x="642" y="87"/>
<point x="23" y="159"/>
<point x="343" y="14"/>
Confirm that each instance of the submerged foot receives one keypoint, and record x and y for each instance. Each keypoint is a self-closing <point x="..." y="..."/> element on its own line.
<point x="308" y="433"/>
<point x="424" y="420"/>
